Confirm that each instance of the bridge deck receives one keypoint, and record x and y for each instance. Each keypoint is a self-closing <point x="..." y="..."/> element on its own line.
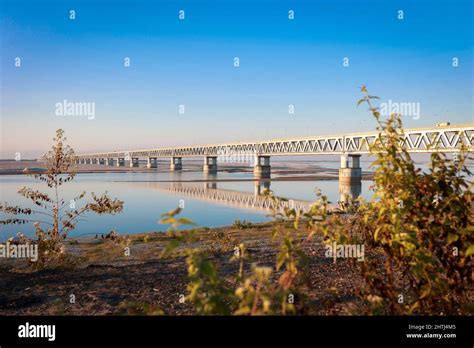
<point x="416" y="140"/>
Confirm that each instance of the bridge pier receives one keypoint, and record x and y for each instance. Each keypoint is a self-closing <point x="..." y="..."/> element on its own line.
<point x="262" y="167"/>
<point x="152" y="162"/>
<point x="261" y="186"/>
<point x="110" y="161"/>
<point x="134" y="162"/>
<point x="120" y="162"/>
<point x="350" y="171"/>
<point x="349" y="191"/>
<point x="210" y="164"/>
<point x="176" y="164"/>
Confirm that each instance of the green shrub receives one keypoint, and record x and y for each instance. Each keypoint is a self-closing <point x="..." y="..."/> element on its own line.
<point x="422" y="222"/>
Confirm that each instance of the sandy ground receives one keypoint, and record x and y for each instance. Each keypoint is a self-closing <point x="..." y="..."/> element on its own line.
<point x="108" y="283"/>
<point x="281" y="171"/>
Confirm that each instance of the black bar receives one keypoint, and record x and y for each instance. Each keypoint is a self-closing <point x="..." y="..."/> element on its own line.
<point x="133" y="330"/>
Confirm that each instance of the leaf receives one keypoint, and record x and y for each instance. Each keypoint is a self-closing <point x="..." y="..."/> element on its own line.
<point x="452" y="237"/>
<point x="208" y="269"/>
<point x="377" y="231"/>
<point x="470" y="250"/>
<point x="425" y="291"/>
<point x="185" y="221"/>
<point x="280" y="260"/>
<point x="360" y="101"/>
<point x="170" y="247"/>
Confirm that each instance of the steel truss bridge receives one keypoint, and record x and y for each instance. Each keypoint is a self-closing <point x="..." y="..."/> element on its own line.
<point x="419" y="140"/>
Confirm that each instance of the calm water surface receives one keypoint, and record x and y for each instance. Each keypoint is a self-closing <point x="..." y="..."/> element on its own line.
<point x="148" y="195"/>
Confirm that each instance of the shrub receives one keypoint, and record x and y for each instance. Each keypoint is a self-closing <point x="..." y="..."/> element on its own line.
<point x="422" y="222"/>
<point x="59" y="219"/>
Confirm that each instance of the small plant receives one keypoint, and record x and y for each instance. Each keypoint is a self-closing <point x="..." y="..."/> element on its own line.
<point x="243" y="294"/>
<point x="290" y="254"/>
<point x="242" y="225"/>
<point x="61" y="216"/>
<point x="206" y="291"/>
<point x="115" y="238"/>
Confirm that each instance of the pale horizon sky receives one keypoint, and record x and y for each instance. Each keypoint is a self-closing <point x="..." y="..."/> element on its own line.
<point x="190" y="62"/>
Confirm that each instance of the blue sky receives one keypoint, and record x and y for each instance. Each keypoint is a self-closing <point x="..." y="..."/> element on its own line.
<point x="190" y="62"/>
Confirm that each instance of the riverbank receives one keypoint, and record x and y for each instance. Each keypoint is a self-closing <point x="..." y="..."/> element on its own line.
<point x="107" y="282"/>
<point x="281" y="171"/>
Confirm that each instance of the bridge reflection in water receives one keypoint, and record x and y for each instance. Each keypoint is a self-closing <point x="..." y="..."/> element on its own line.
<point x="258" y="200"/>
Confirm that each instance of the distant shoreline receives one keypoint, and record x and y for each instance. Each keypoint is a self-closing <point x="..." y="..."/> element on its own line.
<point x="281" y="171"/>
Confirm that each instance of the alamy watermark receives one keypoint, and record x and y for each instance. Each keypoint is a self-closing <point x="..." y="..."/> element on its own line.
<point x="410" y="109"/>
<point x="67" y="108"/>
<point x="335" y="250"/>
<point x="229" y="156"/>
<point x="19" y="251"/>
<point x="37" y="331"/>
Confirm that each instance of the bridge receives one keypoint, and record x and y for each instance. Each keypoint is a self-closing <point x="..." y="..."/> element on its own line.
<point x="209" y="192"/>
<point x="256" y="200"/>
<point x="448" y="139"/>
